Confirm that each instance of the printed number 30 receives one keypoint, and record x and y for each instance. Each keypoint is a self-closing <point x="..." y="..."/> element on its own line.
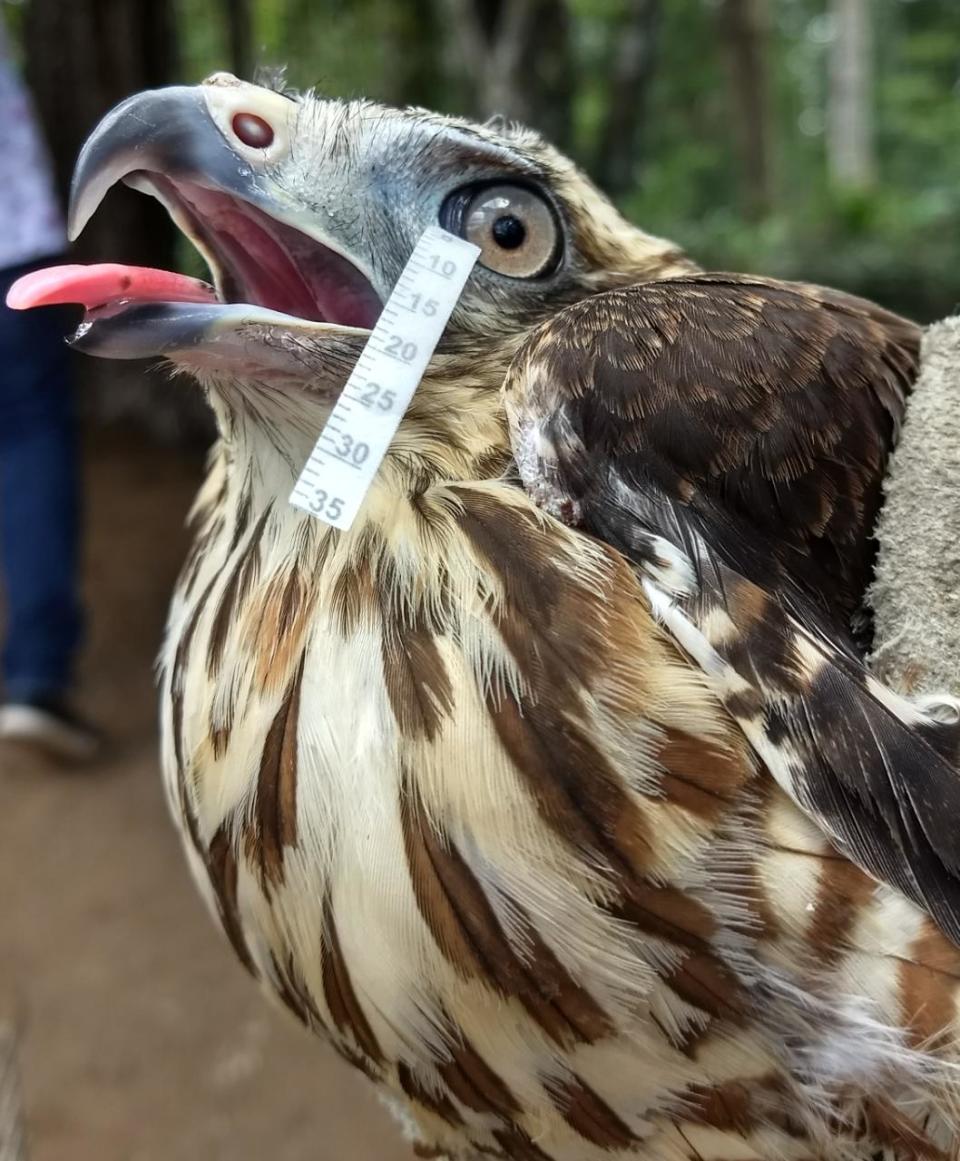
<point x="324" y="505"/>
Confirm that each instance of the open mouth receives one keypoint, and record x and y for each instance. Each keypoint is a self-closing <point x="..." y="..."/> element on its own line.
<point x="258" y="260"/>
<point x="280" y="277"/>
<point x="285" y="303"/>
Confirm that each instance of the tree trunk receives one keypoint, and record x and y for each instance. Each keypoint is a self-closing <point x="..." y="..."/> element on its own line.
<point x="744" y="28"/>
<point x="915" y="595"/>
<point x="83" y="56"/>
<point x="619" y="150"/>
<point x="12" y="1141"/>
<point x="239" y="21"/>
<point x="414" y="63"/>
<point x="850" y="144"/>
<point x="515" y="58"/>
<point x="552" y="96"/>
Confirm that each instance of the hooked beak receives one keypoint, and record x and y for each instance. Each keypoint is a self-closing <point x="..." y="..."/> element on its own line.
<point x="207" y="153"/>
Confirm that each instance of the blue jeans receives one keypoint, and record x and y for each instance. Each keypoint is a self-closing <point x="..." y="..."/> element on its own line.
<point x="39" y="502"/>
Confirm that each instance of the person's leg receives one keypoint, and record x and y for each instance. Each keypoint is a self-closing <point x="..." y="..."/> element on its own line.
<point x="39" y="505"/>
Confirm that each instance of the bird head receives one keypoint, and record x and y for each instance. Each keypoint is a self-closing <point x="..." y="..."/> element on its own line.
<point x="305" y="210"/>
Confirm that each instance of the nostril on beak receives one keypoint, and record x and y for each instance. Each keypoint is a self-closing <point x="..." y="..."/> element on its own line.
<point x="225" y="80"/>
<point x="252" y="130"/>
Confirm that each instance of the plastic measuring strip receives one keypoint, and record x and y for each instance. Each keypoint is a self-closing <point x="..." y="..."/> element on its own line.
<point x="367" y="414"/>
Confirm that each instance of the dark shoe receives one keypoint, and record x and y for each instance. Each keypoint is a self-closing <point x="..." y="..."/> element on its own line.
<point x="49" y="726"/>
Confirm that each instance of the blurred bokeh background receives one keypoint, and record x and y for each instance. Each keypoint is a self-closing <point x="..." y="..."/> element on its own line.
<point x="815" y="139"/>
<point x="820" y="136"/>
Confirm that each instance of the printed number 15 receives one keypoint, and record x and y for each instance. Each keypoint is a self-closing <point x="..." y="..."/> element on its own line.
<point x="425" y="306"/>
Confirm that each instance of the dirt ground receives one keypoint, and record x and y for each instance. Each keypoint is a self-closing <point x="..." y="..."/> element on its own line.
<point x="142" y="1039"/>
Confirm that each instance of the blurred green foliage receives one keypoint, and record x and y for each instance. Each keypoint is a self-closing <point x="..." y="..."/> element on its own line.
<point x="897" y="241"/>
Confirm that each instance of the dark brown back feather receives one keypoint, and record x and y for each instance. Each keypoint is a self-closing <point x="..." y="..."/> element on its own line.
<point x="776" y="403"/>
<point x="729" y="436"/>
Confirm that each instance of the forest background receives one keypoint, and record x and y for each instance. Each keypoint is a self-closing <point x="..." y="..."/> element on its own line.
<point x="812" y="139"/>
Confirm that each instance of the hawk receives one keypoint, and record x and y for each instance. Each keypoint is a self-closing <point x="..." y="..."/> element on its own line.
<point x="555" y="793"/>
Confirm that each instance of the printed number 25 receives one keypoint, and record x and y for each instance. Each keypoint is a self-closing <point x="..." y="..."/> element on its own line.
<point x="374" y="394"/>
<point x="324" y="505"/>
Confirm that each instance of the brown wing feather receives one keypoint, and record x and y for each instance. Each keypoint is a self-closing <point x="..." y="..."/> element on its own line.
<point x="775" y="402"/>
<point x="729" y="437"/>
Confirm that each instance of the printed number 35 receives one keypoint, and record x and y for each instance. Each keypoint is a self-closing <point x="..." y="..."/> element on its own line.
<point x="322" y="505"/>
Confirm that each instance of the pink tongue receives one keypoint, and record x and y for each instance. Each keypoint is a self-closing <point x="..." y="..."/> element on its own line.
<point x="96" y="285"/>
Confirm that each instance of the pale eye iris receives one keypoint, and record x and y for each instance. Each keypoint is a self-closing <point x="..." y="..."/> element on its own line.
<point x="515" y="229"/>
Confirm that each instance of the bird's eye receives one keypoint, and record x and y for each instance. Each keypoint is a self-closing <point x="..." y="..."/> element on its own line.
<point x="253" y="130"/>
<point x="515" y="228"/>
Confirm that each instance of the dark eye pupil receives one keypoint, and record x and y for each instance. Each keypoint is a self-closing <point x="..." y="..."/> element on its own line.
<point x="509" y="232"/>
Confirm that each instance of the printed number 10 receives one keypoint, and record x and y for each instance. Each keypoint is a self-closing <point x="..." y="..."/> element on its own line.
<point x="442" y="265"/>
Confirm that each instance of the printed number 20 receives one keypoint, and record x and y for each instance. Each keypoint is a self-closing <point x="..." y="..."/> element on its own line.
<point x="401" y="350"/>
